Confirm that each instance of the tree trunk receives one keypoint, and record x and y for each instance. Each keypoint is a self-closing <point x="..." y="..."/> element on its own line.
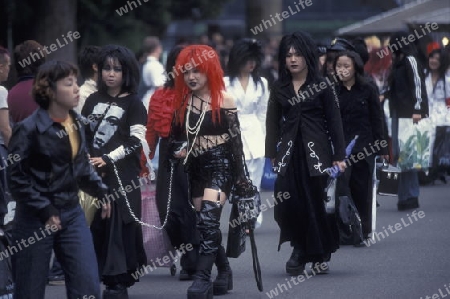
<point x="261" y="13"/>
<point x="56" y="29"/>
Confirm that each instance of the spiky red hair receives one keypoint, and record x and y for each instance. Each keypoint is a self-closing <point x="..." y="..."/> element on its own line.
<point x="206" y="60"/>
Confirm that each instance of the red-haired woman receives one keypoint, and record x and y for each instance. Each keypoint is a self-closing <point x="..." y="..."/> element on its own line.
<point x="206" y="117"/>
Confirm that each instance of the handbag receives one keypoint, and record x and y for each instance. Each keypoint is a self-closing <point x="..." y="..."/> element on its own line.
<point x="389" y="177"/>
<point x="349" y="222"/>
<point x="246" y="206"/>
<point x="236" y="234"/>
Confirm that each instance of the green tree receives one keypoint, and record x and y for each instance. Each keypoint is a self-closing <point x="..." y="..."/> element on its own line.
<point x="97" y="21"/>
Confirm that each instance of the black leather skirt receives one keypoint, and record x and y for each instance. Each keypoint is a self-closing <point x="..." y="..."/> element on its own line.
<point x="212" y="169"/>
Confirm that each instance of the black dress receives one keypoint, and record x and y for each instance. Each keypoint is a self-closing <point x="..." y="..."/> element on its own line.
<point x="112" y="129"/>
<point x="304" y="138"/>
<point x="302" y="218"/>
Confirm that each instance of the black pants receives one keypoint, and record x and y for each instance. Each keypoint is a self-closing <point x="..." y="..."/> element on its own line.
<point x="356" y="183"/>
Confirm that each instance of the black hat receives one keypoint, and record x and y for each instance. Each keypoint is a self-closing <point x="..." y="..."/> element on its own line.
<point x="341" y="44"/>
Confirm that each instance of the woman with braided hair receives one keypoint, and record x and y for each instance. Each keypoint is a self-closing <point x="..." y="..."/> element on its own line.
<point x="206" y="117"/>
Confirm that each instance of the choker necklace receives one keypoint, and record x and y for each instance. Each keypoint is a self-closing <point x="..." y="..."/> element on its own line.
<point x="196" y="128"/>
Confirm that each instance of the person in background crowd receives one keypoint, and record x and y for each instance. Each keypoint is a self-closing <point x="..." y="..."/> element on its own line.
<point x="152" y="75"/>
<point x="407" y="99"/>
<point x="87" y="63"/>
<point x="322" y="53"/>
<point x="437" y="83"/>
<point x="361" y="115"/>
<point x="379" y="67"/>
<point x="5" y="131"/>
<point x="271" y="72"/>
<point x="45" y="184"/>
<point x="181" y="225"/>
<point x="298" y="142"/>
<point x="251" y="94"/>
<point x="214" y="157"/>
<point x="20" y="102"/>
<point x="114" y="142"/>
<point x="337" y="45"/>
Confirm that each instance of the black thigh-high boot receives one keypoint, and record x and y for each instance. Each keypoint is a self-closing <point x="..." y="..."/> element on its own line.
<point x="224" y="279"/>
<point x="210" y="239"/>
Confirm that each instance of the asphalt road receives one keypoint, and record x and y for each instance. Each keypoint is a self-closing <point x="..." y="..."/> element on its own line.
<point x="412" y="262"/>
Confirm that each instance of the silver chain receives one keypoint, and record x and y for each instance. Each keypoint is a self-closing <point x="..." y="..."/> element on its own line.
<point x="122" y="191"/>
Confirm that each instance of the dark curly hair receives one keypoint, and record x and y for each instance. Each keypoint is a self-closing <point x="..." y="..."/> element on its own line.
<point x="244" y="50"/>
<point x="130" y="68"/>
<point x="44" y="85"/>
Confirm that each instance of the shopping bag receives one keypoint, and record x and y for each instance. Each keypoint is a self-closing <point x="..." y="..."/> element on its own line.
<point x="414" y="144"/>
<point x="269" y="176"/>
<point x="156" y="241"/>
<point x="441" y="149"/>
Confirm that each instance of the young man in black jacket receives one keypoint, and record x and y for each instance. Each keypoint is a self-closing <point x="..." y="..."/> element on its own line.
<point x="49" y="165"/>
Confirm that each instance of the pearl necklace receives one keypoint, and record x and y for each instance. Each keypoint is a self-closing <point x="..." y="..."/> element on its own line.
<point x="196" y="128"/>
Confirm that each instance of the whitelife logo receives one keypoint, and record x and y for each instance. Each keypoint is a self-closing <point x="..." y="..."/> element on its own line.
<point x="280" y="17"/>
<point x="124" y="9"/>
<point x="411" y="38"/>
<point x="53" y="47"/>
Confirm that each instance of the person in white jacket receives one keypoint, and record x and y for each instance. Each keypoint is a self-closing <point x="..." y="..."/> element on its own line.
<point x="251" y="93"/>
<point x="437" y="83"/>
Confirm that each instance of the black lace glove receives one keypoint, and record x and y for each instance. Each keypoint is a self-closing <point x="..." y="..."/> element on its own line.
<point x="240" y="174"/>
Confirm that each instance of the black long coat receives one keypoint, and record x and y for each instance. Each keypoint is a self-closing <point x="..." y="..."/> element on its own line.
<point x="320" y="120"/>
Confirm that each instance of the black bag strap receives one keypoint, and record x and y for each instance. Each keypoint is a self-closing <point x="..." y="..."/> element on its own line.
<point x="256" y="265"/>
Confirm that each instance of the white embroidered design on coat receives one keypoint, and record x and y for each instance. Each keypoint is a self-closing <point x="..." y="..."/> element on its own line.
<point x="288" y="152"/>
<point x="313" y="154"/>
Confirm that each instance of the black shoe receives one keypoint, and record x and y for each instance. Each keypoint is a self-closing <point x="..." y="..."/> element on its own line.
<point x="200" y="289"/>
<point x="118" y="291"/>
<point x="223" y="283"/>
<point x="320" y="268"/>
<point x="294" y="266"/>
<point x="56" y="280"/>
<point x="409" y="204"/>
<point x="186" y="274"/>
<point x="361" y="244"/>
<point x="224" y="279"/>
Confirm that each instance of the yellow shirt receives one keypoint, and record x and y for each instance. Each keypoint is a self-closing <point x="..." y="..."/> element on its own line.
<point x="74" y="138"/>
